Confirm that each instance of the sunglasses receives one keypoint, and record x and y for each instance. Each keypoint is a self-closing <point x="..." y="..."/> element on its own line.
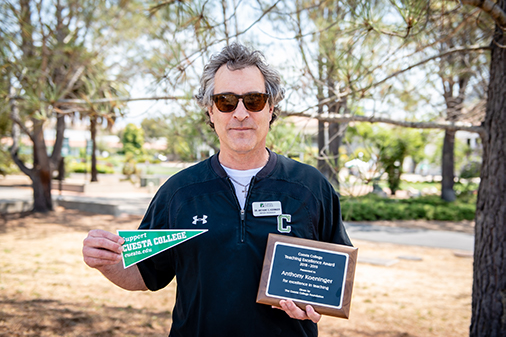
<point x="228" y="102"/>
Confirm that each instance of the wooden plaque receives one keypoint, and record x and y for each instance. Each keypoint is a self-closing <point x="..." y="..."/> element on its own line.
<point x="308" y="272"/>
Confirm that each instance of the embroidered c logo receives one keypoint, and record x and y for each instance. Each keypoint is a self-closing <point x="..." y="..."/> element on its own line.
<point x="281" y="227"/>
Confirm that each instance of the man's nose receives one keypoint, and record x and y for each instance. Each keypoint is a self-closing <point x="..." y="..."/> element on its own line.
<point x="240" y="112"/>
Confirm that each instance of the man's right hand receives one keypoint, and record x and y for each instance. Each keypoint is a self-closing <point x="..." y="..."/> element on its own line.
<point x="101" y="248"/>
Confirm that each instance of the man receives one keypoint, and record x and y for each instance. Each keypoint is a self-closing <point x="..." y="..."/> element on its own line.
<point x="218" y="272"/>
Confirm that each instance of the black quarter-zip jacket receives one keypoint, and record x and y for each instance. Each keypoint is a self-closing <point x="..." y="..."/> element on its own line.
<point x="218" y="272"/>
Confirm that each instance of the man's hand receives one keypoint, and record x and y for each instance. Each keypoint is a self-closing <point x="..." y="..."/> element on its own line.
<point x="295" y="312"/>
<point x="101" y="248"/>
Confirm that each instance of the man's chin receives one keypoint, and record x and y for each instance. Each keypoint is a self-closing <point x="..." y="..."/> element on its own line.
<point x="243" y="147"/>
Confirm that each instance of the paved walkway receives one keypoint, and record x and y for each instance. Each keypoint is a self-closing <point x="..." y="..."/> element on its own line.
<point x="126" y="198"/>
<point x="411" y="236"/>
<point x="111" y="190"/>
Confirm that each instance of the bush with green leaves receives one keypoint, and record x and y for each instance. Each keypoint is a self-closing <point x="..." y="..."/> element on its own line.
<point x="132" y="138"/>
<point x="77" y="167"/>
<point x="372" y="208"/>
<point x="470" y="170"/>
<point x="130" y="166"/>
<point x="389" y="146"/>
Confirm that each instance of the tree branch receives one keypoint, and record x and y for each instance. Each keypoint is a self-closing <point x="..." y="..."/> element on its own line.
<point x="73" y="81"/>
<point x="491" y="8"/>
<point x="121" y="99"/>
<point x="338" y="118"/>
<point x="14" y="115"/>
<point x="15" y="158"/>
<point x="451" y="51"/>
<point x="58" y="144"/>
<point x="15" y="143"/>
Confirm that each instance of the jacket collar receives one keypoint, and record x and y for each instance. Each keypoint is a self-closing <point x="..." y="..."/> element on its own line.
<point x="264" y="172"/>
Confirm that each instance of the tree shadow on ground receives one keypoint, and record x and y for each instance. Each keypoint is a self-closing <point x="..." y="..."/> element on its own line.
<point x="46" y="317"/>
<point x="67" y="219"/>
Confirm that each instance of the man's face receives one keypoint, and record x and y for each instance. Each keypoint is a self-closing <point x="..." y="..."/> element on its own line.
<point x="240" y="131"/>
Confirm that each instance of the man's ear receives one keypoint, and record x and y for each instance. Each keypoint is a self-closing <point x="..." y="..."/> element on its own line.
<point x="210" y="112"/>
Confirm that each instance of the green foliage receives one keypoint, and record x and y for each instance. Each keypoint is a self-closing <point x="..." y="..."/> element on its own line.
<point x="6" y="163"/>
<point x="466" y="190"/>
<point x="187" y="133"/>
<point x="285" y="139"/>
<point x="154" y="127"/>
<point x="78" y="167"/>
<point x="5" y="120"/>
<point x="130" y="166"/>
<point x="372" y="208"/>
<point x="467" y="161"/>
<point x="133" y="140"/>
<point x="391" y="155"/>
<point x="470" y="170"/>
<point x="389" y="146"/>
<point x="7" y="166"/>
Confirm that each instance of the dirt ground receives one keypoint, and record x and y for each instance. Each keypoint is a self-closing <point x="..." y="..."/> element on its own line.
<point x="47" y="290"/>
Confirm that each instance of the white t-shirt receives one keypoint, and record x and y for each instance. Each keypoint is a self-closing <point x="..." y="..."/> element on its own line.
<point x="241" y="180"/>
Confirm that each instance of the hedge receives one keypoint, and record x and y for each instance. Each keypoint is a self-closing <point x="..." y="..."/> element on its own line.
<point x="80" y="168"/>
<point x="372" y="207"/>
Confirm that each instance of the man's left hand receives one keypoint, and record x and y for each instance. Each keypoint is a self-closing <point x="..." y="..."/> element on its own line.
<point x="295" y="312"/>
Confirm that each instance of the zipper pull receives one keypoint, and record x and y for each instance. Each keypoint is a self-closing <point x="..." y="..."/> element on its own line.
<point x="243" y="213"/>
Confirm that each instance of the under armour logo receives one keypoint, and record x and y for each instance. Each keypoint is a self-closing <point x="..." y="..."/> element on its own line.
<point x="203" y="219"/>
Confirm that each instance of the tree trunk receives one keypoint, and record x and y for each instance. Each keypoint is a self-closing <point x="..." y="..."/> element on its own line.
<point x="41" y="172"/>
<point x="322" y="153"/>
<point x="322" y="162"/>
<point x="93" y="131"/>
<point x="335" y="140"/>
<point x="448" y="175"/>
<point x="489" y="283"/>
<point x="41" y="183"/>
<point x="43" y="165"/>
<point x="336" y="135"/>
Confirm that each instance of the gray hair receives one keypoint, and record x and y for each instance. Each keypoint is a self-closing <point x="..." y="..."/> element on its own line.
<point x="236" y="57"/>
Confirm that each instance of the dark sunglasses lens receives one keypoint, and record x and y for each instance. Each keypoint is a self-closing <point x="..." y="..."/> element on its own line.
<point x="255" y="102"/>
<point x="226" y="103"/>
<point x="252" y="102"/>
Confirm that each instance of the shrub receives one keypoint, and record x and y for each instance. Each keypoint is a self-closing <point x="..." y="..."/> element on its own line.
<point x="76" y="167"/>
<point x="372" y="207"/>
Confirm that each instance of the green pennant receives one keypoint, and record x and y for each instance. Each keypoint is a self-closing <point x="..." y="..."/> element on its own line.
<point x="142" y="244"/>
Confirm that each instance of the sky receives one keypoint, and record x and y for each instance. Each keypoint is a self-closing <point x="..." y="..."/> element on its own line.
<point x="280" y="51"/>
<point x="277" y="54"/>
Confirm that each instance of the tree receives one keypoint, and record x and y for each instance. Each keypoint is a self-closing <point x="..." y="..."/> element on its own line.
<point x="97" y="85"/>
<point x="345" y="46"/>
<point x="44" y="62"/>
<point x="329" y="62"/>
<point x="132" y="138"/>
<point x="460" y="75"/>
<point x="489" y="283"/>
<point x="329" y="84"/>
<point x="45" y="47"/>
